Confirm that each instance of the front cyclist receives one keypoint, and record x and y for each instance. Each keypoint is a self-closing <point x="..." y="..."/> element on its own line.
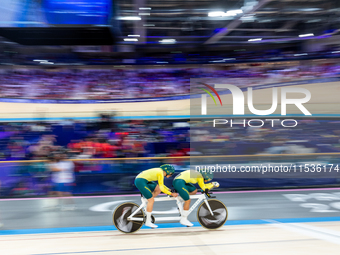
<point x="146" y="184"/>
<point x="183" y="184"/>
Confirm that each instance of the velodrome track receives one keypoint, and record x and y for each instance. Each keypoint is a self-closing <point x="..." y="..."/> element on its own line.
<point x="324" y="102"/>
<point x="260" y="222"/>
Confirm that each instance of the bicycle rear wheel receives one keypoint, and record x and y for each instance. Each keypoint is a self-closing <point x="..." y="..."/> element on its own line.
<point x="122" y="212"/>
<point x="212" y="221"/>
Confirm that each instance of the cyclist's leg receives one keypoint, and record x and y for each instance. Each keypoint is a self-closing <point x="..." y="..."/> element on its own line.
<point x="145" y="187"/>
<point x="155" y="192"/>
<point x="192" y="191"/>
<point x="155" y="188"/>
<point x="182" y="189"/>
<point x="147" y="191"/>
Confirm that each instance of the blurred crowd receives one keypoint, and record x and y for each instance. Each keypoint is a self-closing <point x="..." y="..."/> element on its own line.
<point x="143" y="83"/>
<point x="101" y="139"/>
<point x="107" y="138"/>
<point x="131" y="139"/>
<point x="49" y="145"/>
<point x="309" y="136"/>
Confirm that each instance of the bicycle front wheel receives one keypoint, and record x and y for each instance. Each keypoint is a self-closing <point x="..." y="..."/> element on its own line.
<point x="122" y="212"/>
<point x="212" y="221"/>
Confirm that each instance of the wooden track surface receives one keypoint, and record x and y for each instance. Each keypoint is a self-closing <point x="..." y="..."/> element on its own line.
<point x="267" y="239"/>
<point x="325" y="100"/>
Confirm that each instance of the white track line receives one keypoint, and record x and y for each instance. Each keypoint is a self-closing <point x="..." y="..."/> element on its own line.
<point x="308" y="230"/>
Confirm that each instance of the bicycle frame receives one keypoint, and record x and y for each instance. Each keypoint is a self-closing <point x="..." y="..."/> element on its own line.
<point x="200" y="198"/>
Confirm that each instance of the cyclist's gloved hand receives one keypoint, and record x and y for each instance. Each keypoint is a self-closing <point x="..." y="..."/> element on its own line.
<point x="216" y="184"/>
<point x="174" y="194"/>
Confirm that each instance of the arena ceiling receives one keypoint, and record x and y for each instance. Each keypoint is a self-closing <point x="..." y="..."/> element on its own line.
<point x="208" y="22"/>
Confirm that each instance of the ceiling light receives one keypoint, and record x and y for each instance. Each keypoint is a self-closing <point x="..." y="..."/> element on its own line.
<point x="130" y="18"/>
<point x="130" y="39"/>
<point x="306" y="35"/>
<point x="216" y="14"/>
<point x="223" y="14"/>
<point x="168" y="41"/>
<point x="255" y="39"/>
<point x="134" y="35"/>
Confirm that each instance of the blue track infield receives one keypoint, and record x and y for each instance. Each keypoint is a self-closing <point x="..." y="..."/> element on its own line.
<point x="162" y="225"/>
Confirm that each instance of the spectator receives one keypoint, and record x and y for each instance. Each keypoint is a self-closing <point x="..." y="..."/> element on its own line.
<point x="63" y="179"/>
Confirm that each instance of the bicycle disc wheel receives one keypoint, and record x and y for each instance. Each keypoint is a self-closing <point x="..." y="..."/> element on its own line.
<point x="217" y="220"/>
<point x="122" y="212"/>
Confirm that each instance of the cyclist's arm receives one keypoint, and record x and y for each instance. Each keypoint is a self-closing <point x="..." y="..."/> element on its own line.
<point x="163" y="188"/>
<point x="204" y="186"/>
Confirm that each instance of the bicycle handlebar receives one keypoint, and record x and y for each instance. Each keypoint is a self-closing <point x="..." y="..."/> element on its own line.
<point x="206" y="191"/>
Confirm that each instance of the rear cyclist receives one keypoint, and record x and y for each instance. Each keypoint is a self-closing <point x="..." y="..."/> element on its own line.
<point x="146" y="184"/>
<point x="183" y="184"/>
